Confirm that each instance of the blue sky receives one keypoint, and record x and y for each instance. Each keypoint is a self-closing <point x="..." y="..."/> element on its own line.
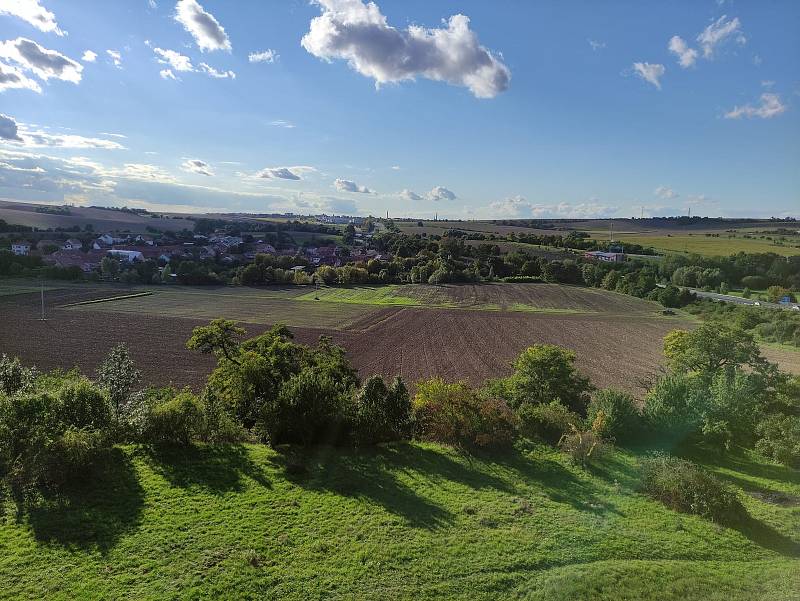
<point x="521" y="109"/>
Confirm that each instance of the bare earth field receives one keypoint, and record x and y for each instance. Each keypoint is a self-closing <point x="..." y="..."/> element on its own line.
<point x="617" y="338"/>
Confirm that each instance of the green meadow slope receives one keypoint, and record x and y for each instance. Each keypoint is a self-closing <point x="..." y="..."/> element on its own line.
<point x="409" y="521"/>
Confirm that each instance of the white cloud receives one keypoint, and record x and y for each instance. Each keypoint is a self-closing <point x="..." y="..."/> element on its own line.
<point x="11" y="132"/>
<point x="596" y="45"/>
<point x="440" y="193"/>
<point x="515" y="206"/>
<point x="116" y="58"/>
<point x="212" y="72"/>
<point x="8" y="129"/>
<point x="204" y="28"/>
<point x="42" y="62"/>
<point x="395" y="167"/>
<point x="665" y="192"/>
<point x="282" y="123"/>
<point x="11" y="77"/>
<point x="770" y="106"/>
<point x="346" y="185"/>
<point x="265" y="56"/>
<point x="89" y="56"/>
<point x="686" y="56"/>
<point x="649" y="72"/>
<point x="33" y="13"/>
<point x="359" y="33"/>
<point x="167" y="74"/>
<point x="767" y="84"/>
<point x="409" y="195"/>
<point x="197" y="166"/>
<point x="175" y="60"/>
<point x="152" y="4"/>
<point x="290" y="173"/>
<point x="718" y="33"/>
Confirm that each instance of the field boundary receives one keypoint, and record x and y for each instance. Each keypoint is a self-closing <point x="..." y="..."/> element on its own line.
<point x="107" y="299"/>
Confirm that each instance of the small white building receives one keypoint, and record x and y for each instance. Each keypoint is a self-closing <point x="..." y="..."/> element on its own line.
<point x="21" y="249"/>
<point x="72" y="244"/>
<point x="129" y="256"/>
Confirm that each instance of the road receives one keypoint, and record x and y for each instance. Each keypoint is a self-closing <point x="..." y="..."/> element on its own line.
<point x="738" y="300"/>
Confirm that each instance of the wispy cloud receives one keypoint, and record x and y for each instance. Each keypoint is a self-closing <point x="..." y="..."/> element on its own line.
<point x="265" y="56"/>
<point x="770" y="105"/>
<point x="650" y="73"/>
<point x="204" y="28"/>
<point x="33" y="13"/>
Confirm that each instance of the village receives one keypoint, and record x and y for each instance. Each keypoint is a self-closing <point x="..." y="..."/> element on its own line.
<point x="219" y="247"/>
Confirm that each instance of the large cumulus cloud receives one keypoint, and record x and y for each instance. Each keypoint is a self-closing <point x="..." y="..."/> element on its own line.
<point x="360" y="34"/>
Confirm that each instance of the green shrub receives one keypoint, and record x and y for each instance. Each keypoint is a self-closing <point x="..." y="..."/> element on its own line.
<point x="779" y="438"/>
<point x="48" y="435"/>
<point x="670" y="407"/>
<point x="684" y="486"/>
<point x="547" y="422"/>
<point x="382" y="413"/>
<point x="622" y="421"/>
<point x="174" y="421"/>
<point x="309" y="409"/>
<point x="544" y="373"/>
<point x="13" y="375"/>
<point x="454" y="414"/>
<point x="218" y="425"/>
<point x="583" y="446"/>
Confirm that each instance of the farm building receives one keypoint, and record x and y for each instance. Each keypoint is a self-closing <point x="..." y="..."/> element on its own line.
<point x="598" y="255"/>
<point x="72" y="244"/>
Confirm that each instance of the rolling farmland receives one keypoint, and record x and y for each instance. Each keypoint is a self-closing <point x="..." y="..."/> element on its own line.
<point x="459" y="332"/>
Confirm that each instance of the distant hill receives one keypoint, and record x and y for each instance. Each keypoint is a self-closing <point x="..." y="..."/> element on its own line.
<point x="19" y="213"/>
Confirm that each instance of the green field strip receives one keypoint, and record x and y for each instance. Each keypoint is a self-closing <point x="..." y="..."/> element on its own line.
<point x="108" y="299"/>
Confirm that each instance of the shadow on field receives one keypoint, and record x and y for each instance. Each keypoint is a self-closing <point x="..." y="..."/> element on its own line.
<point x="91" y="513"/>
<point x="559" y="483"/>
<point x="215" y="468"/>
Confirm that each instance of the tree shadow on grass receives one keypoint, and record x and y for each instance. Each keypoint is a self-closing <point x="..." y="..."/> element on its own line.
<point x="765" y="536"/>
<point x="215" y="468"/>
<point x="90" y="513"/>
<point x="560" y="484"/>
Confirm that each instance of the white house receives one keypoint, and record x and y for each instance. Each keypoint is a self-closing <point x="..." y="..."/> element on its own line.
<point x="129" y="256"/>
<point x="72" y="244"/>
<point x="21" y="248"/>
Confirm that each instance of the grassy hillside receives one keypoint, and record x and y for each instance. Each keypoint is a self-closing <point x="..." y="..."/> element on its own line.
<point x="410" y="521"/>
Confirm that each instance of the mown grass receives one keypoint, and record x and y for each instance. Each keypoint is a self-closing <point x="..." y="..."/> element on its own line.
<point x="408" y="521"/>
<point x="9" y="289"/>
<point x="704" y="245"/>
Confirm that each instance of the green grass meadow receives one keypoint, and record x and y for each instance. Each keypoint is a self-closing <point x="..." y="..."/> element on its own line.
<point x="406" y="521"/>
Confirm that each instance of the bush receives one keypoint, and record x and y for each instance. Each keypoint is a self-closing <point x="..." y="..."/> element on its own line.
<point x="583" y="446"/>
<point x="779" y="439"/>
<point x="382" y="413"/>
<point x="670" y="408"/>
<point x="13" y="375"/>
<point x="174" y="421"/>
<point x="621" y="421"/>
<point x="684" y="486"/>
<point x="309" y="409"/>
<point x="544" y="373"/>
<point x="454" y="414"/>
<point x="218" y="425"/>
<point x="547" y="422"/>
<point x="50" y="434"/>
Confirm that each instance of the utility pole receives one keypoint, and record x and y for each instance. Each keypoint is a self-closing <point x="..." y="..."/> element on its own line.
<point x="611" y="224"/>
<point x="42" y="318"/>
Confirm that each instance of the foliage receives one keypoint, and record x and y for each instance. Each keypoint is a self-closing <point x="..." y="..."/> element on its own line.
<point x="218" y="424"/>
<point x="684" y="486"/>
<point x="382" y="413"/>
<point x="671" y="409"/>
<point x="118" y="375"/>
<point x="584" y="447"/>
<point x="622" y="421"/>
<point x="544" y="373"/>
<point x="547" y="422"/>
<point x="779" y="438"/>
<point x="174" y="421"/>
<point x="711" y="347"/>
<point x="14" y="376"/>
<point x="454" y="414"/>
<point x="50" y="433"/>
<point x="220" y="338"/>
